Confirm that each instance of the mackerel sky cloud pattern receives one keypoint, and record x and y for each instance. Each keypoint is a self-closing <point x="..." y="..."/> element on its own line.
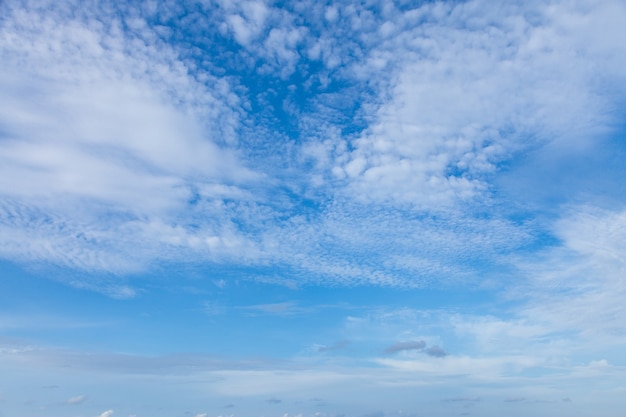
<point x="357" y="208"/>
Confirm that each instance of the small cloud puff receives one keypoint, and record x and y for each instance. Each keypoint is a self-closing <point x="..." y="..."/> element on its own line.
<point x="79" y="399"/>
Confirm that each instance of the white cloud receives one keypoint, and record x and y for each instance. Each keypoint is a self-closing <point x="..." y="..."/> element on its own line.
<point x="579" y="286"/>
<point x="400" y="381"/>
<point x="270" y="382"/>
<point x="118" y="151"/>
<point x="470" y="90"/>
<point x="104" y="132"/>
<point x="488" y="369"/>
<point x="79" y="399"/>
<point x="123" y="144"/>
<point x="250" y="23"/>
<point x="240" y="29"/>
<point x="285" y="308"/>
<point x="331" y="13"/>
<point x="387" y="247"/>
<point x="280" y="46"/>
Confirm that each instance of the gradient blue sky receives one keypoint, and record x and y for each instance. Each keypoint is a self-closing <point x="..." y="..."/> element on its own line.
<point x="312" y="209"/>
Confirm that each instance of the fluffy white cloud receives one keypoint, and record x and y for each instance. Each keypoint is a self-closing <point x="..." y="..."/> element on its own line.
<point x="79" y="399"/>
<point x="117" y="142"/>
<point x="468" y="90"/>
<point x="246" y="19"/>
<point x="104" y="131"/>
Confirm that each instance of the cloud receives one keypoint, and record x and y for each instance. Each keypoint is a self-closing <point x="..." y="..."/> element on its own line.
<point x="337" y="346"/>
<point x="402" y="346"/>
<point x="416" y="345"/>
<point x="329" y="145"/>
<point x="294" y="382"/>
<point x="108" y="138"/>
<point x="107" y="413"/>
<point x="515" y="399"/>
<point x="375" y="414"/>
<point x="436" y="352"/>
<point x="79" y="399"/>
<point x="276" y="381"/>
<point x="284" y="308"/>
<point x="491" y="368"/>
<point x="120" y="364"/>
<point x="247" y="19"/>
<point x="462" y="400"/>
<point x="449" y="116"/>
<point x="131" y="142"/>
<point x="584" y="270"/>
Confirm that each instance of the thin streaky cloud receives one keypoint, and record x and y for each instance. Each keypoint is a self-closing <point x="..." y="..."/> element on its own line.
<point x="402" y="346"/>
<point x="79" y="399"/>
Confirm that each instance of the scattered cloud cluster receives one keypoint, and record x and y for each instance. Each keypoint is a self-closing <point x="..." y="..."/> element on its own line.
<point x="107" y="137"/>
<point x="287" y="387"/>
<point x="117" y="135"/>
<point x="470" y="153"/>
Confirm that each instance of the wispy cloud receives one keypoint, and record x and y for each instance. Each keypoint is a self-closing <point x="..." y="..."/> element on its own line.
<point x="585" y="270"/>
<point x="462" y="400"/>
<point x="79" y="399"/>
<point x="337" y="346"/>
<point x="285" y="308"/>
<point x="402" y="346"/>
<point x="515" y="399"/>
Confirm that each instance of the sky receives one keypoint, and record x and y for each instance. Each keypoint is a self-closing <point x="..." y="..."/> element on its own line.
<point x="304" y="208"/>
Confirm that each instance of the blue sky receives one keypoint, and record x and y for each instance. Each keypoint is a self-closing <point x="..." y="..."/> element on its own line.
<point x="312" y="209"/>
